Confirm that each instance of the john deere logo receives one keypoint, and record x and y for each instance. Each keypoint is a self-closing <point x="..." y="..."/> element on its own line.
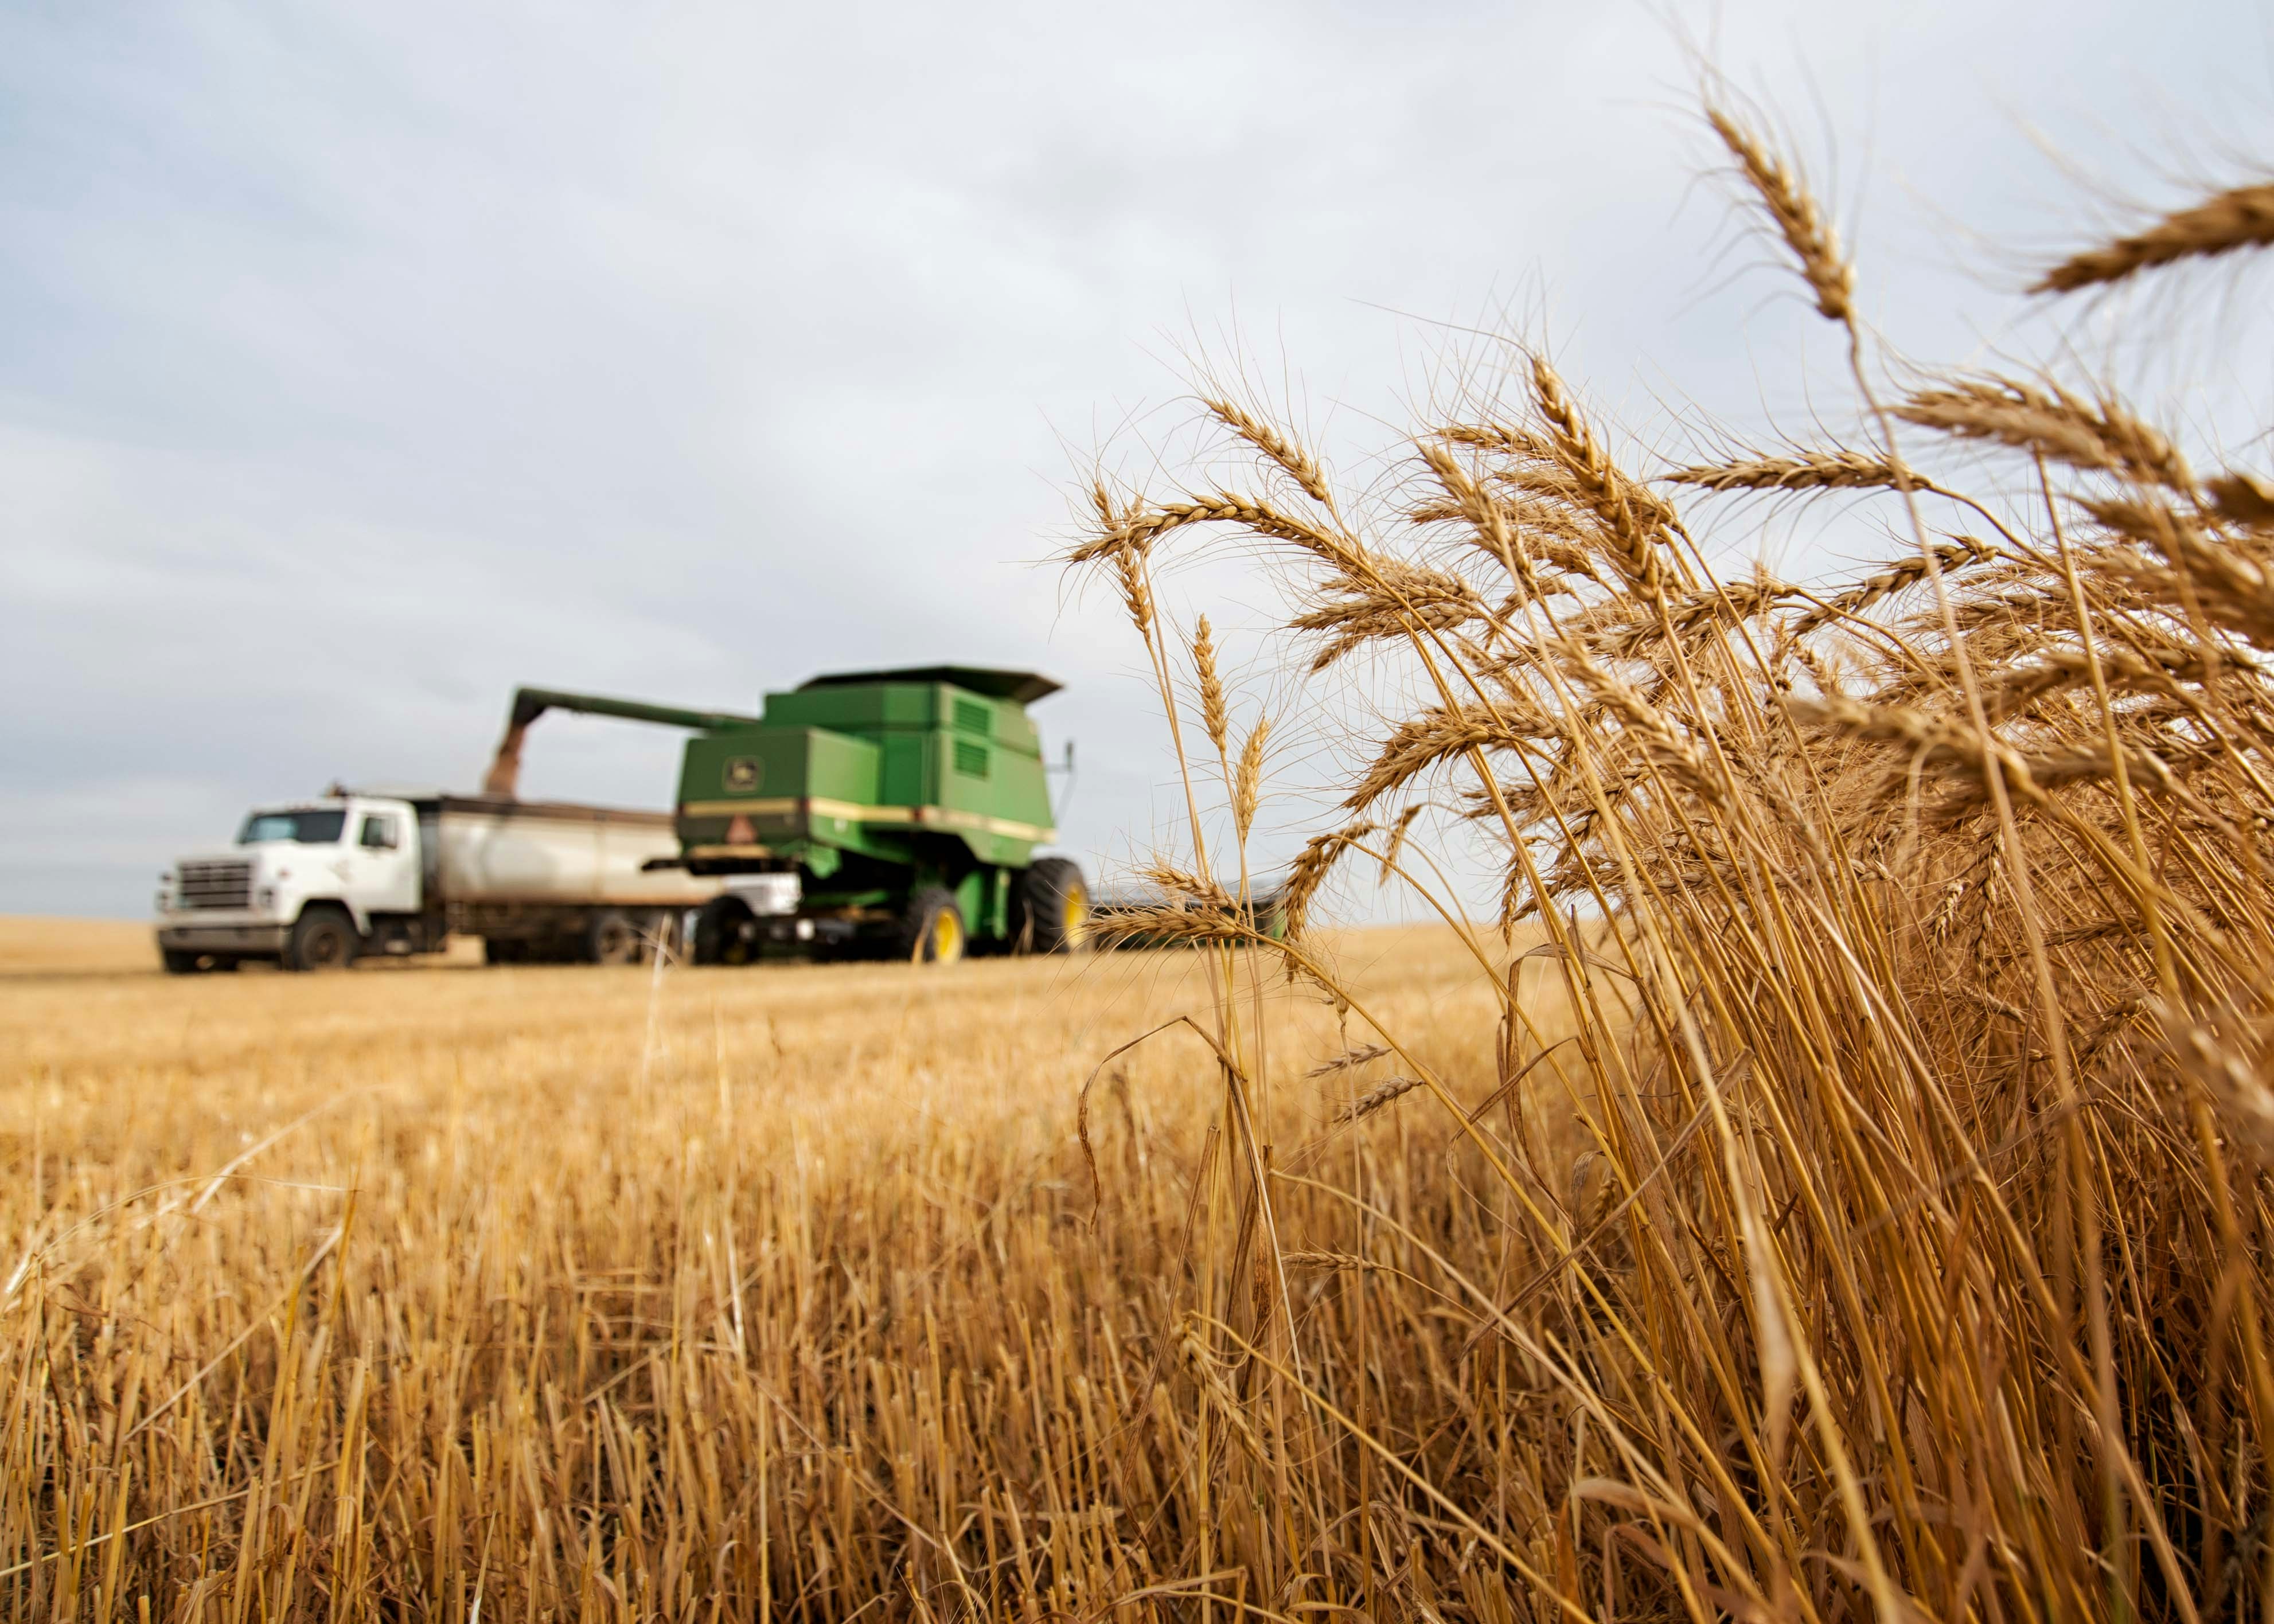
<point x="745" y="773"/>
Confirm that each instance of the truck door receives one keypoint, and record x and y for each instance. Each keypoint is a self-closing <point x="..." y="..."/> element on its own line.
<point x="387" y="860"/>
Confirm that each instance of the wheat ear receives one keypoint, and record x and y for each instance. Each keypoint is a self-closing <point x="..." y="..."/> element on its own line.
<point x="2221" y="223"/>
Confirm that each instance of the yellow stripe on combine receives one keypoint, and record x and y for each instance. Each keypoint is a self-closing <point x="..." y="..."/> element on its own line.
<point x="853" y="812"/>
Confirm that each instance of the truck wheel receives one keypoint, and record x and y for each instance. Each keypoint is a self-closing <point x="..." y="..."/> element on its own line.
<point x="932" y="930"/>
<point x="177" y="962"/>
<point x="1054" y="907"/>
<point x="324" y="939"/>
<point x="504" y="950"/>
<point x="613" y="939"/>
<point x="720" y="932"/>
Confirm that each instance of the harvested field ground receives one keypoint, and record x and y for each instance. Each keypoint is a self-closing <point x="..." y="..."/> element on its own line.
<point x="598" y="1293"/>
<point x="49" y="948"/>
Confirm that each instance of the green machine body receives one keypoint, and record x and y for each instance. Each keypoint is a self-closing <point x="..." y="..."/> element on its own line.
<point x="894" y="812"/>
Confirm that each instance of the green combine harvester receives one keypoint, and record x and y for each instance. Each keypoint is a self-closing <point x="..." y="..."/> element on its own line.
<point x="866" y="814"/>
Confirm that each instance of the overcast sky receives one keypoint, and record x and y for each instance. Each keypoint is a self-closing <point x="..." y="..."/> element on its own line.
<point x="360" y="363"/>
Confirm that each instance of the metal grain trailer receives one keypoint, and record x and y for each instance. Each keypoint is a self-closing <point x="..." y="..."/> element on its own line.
<point x="314" y="885"/>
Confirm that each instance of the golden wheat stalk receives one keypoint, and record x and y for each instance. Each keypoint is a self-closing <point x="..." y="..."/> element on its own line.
<point x="2044" y="417"/>
<point x="2055" y="669"/>
<point x="1400" y="828"/>
<point x="1144" y="526"/>
<point x="1617" y="629"/>
<point x="1247" y="778"/>
<point x="1136" y="593"/>
<point x="1929" y="740"/>
<point x="1831" y="469"/>
<point x="1183" y="885"/>
<point x="1815" y="246"/>
<point x="2224" y="222"/>
<point x="1277" y="445"/>
<point x="2242" y="499"/>
<point x="1215" y="718"/>
<point x="1439" y="734"/>
<point x="1381" y="1095"/>
<point x="1634" y="517"/>
<point x="1349" y="1059"/>
<point x="1309" y="871"/>
<point x="1897" y="576"/>
<point x="2232" y="587"/>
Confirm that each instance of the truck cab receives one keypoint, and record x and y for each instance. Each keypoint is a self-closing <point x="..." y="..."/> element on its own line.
<point x="308" y="884"/>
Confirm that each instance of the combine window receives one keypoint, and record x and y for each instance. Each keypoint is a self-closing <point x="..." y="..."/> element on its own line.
<point x="971" y="716"/>
<point x="970" y="759"/>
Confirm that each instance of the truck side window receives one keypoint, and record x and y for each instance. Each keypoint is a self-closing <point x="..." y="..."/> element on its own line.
<point x="378" y="833"/>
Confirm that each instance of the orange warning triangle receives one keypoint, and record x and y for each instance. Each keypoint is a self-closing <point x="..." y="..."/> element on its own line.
<point x="740" y="833"/>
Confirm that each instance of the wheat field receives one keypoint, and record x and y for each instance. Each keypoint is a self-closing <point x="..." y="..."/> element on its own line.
<point x="586" y="1293"/>
<point x="1830" y="1179"/>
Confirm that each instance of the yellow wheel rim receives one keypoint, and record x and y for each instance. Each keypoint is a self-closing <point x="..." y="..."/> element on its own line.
<point x="946" y="937"/>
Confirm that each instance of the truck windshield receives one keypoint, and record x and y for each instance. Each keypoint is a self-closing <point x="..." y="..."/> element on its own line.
<point x="306" y="828"/>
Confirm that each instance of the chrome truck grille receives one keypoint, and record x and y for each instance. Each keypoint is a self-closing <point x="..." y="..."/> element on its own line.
<point x="214" y="885"/>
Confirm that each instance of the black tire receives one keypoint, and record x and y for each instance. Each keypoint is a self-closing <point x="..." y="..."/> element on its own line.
<point x="613" y="938"/>
<point x="179" y="962"/>
<point x="324" y="939"/>
<point x="1053" y="907"/>
<point x="721" y="933"/>
<point x="932" y="930"/>
<point x="504" y="950"/>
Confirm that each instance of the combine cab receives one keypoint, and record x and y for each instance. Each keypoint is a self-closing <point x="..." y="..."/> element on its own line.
<point x="876" y="812"/>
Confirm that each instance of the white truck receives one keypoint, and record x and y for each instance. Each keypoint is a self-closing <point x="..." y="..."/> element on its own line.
<point x="315" y="884"/>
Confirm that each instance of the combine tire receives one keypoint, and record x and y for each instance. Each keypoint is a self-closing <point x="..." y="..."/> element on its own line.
<point x="324" y="939"/>
<point x="720" y="937"/>
<point x="932" y="929"/>
<point x="613" y="938"/>
<point x="1053" y="907"/>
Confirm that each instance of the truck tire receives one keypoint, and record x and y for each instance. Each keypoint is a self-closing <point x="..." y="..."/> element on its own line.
<point x="720" y="934"/>
<point x="178" y="962"/>
<point x="932" y="930"/>
<point x="504" y="950"/>
<point x="324" y="939"/>
<point x="1053" y="907"/>
<point x="613" y="938"/>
